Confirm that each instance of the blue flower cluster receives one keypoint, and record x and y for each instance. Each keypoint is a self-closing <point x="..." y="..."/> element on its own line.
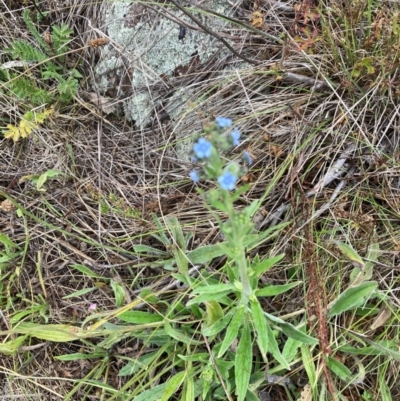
<point x="207" y="149"/>
<point x="203" y="148"/>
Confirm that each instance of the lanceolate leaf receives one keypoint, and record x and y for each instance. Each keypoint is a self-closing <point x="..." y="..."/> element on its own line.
<point x="153" y="394"/>
<point x="340" y="370"/>
<point x="243" y="363"/>
<point x="172" y="385"/>
<point x="291" y="331"/>
<point x="274" y="349"/>
<point x="350" y="253"/>
<point x="266" y="264"/>
<point x="232" y="331"/>
<point x="139" y="317"/>
<point x="180" y="336"/>
<point x="261" y="326"/>
<point x="272" y="290"/>
<point x="352" y="297"/>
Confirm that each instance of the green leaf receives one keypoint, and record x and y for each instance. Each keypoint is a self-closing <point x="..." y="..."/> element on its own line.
<point x="47" y="174"/>
<point x="7" y="242"/>
<point x="172" y="385"/>
<point x="260" y="325"/>
<point x="139" y="317"/>
<point x="338" y="368"/>
<point x="232" y="331"/>
<point x="274" y="349"/>
<point x="205" y="254"/>
<point x="11" y="347"/>
<point x="352" y="297"/>
<point x="292" y="331"/>
<point x="29" y="311"/>
<point x="266" y="264"/>
<point x="153" y="394"/>
<point x="148" y="250"/>
<point x="85" y="270"/>
<point x="272" y="290"/>
<point x="218" y="326"/>
<point x="381" y="348"/>
<point x="243" y="364"/>
<point x="350" y="253"/>
<point x="215" y="288"/>
<point x="359" y="275"/>
<point x="179" y="336"/>
<point x="161" y="231"/>
<point x="290" y="349"/>
<point x="208" y="297"/>
<point x="179" y="244"/>
<point x="253" y="241"/>
<point x="308" y="364"/>
<point x="188" y="393"/>
<point x="137" y="364"/>
<point x="119" y="293"/>
<point x="214" y="313"/>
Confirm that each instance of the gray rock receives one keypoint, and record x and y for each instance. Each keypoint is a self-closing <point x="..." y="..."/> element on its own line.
<point x="147" y="66"/>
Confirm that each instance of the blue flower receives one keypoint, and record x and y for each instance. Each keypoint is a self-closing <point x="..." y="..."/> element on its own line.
<point x="235" y="134"/>
<point x="247" y="158"/>
<point x="223" y="122"/>
<point x="227" y="181"/>
<point x="194" y="175"/>
<point x="202" y="148"/>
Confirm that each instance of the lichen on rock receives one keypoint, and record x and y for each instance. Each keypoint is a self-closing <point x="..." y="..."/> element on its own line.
<point x="145" y="57"/>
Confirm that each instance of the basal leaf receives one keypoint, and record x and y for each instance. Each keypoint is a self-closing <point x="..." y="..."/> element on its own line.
<point x="352" y="297"/>
<point x="350" y="253"/>
<point x="85" y="270"/>
<point x="139" y="317"/>
<point x="243" y="364"/>
<point x="340" y="370"/>
<point x="172" y="385"/>
<point x="153" y="394"/>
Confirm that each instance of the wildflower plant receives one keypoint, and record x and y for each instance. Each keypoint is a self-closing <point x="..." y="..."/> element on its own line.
<point x="246" y="319"/>
<point x="208" y="149"/>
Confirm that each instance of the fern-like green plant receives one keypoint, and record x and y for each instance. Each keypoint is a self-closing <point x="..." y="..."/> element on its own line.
<point x="61" y="37"/>
<point x="24" y="51"/>
<point x="49" y="55"/>
<point x="26" y="15"/>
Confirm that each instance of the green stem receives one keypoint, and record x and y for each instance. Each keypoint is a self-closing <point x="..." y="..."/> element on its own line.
<point x="241" y="261"/>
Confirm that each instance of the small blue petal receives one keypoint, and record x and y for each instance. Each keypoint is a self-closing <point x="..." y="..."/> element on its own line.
<point x="227" y="181"/>
<point x="202" y="148"/>
<point x="194" y="175"/>
<point x="247" y="158"/>
<point x="235" y="134"/>
<point x="223" y="122"/>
